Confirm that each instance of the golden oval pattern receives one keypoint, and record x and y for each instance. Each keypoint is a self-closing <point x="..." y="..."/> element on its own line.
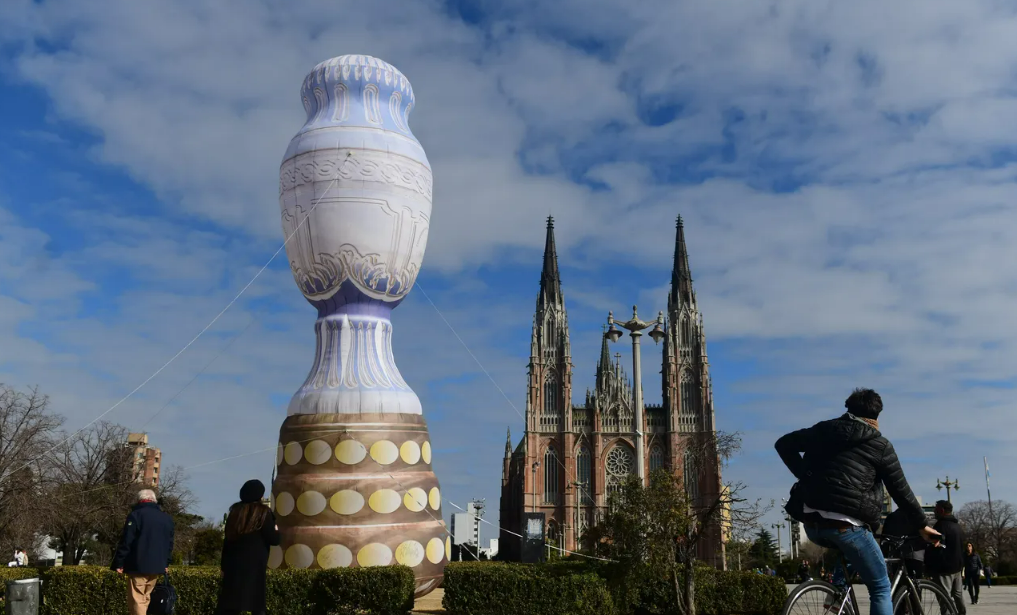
<point x="374" y="554"/>
<point x="350" y="452"/>
<point x="384" y="452"/>
<point x="410" y="553"/>
<point x="435" y="550"/>
<point x="347" y="502"/>
<point x="434" y="498"/>
<point x="284" y="504"/>
<point x="311" y="503"/>
<point x="425" y="452"/>
<point x="334" y="556"/>
<point x="415" y="499"/>
<point x="317" y="452"/>
<point x="299" y="556"/>
<point x="293" y="453"/>
<point x="384" y="501"/>
<point x="410" y="452"/>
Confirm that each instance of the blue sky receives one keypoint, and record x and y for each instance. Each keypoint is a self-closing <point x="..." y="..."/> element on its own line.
<point x="846" y="173"/>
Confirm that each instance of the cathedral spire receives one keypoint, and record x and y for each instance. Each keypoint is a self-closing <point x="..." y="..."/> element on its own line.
<point x="681" y="274"/>
<point x="604" y="366"/>
<point x="508" y="442"/>
<point x="550" y="280"/>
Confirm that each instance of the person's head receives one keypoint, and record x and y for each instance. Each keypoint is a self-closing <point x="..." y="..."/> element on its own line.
<point x="145" y="496"/>
<point x="943" y="509"/>
<point x="249" y="514"/>
<point x="971" y="548"/>
<point x="864" y="403"/>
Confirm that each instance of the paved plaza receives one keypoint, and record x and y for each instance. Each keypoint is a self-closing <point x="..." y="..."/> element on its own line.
<point x="992" y="601"/>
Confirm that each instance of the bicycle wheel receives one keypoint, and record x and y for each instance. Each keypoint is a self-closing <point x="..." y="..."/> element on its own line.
<point x="932" y="597"/>
<point x="817" y="598"/>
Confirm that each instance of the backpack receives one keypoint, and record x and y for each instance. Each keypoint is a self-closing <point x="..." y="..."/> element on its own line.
<point x="164" y="598"/>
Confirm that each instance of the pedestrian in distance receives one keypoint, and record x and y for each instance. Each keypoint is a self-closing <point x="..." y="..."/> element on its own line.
<point x="250" y="532"/>
<point x="972" y="572"/>
<point x="144" y="551"/>
<point x="842" y="466"/>
<point x="946" y="566"/>
<point x="803" y="571"/>
<point x="988" y="576"/>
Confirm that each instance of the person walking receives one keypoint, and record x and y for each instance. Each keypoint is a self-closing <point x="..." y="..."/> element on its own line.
<point x="842" y="466"/>
<point x="972" y="572"/>
<point x="988" y="576"/>
<point x="803" y="571"/>
<point x="144" y="551"/>
<point x="946" y="566"/>
<point x="250" y="532"/>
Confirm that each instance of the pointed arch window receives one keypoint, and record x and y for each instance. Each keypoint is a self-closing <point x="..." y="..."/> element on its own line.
<point x="689" y="399"/>
<point x="691" y="476"/>
<point x="584" y="468"/>
<point x="552" y="402"/>
<point x="656" y="458"/>
<point x="552" y="477"/>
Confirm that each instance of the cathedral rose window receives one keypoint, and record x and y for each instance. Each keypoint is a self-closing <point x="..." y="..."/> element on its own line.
<point x="621" y="463"/>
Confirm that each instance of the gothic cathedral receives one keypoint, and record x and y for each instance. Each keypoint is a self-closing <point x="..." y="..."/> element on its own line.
<point x="571" y="457"/>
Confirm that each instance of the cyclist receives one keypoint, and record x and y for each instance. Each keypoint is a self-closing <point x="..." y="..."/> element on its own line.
<point x="842" y="466"/>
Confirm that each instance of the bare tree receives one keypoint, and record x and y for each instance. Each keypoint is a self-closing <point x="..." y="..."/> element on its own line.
<point x="991" y="531"/>
<point x="661" y="525"/>
<point x="27" y="432"/>
<point x="81" y="492"/>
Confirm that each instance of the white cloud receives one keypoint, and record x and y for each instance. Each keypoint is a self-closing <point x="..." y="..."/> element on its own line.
<point x="883" y="255"/>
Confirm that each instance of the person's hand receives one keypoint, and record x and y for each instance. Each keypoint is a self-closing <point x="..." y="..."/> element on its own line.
<point x="930" y="535"/>
<point x="120" y="570"/>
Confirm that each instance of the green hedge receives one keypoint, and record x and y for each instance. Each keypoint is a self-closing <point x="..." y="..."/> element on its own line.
<point x="87" y="590"/>
<point x="14" y="574"/>
<point x="493" y="588"/>
<point x="580" y="587"/>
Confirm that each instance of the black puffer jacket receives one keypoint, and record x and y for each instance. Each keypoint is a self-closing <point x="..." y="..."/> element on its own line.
<point x="948" y="560"/>
<point x="845" y="463"/>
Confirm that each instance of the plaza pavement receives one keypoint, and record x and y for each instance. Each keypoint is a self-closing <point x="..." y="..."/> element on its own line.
<point x="993" y="601"/>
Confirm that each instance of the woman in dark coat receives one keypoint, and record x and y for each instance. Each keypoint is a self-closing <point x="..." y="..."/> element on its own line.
<point x="250" y="531"/>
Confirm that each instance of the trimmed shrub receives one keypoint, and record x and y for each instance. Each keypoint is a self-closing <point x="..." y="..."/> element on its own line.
<point x="86" y="590"/>
<point x="494" y="588"/>
<point x="14" y="574"/>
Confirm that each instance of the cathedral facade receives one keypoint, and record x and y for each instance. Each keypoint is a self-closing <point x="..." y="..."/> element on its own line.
<point x="572" y="456"/>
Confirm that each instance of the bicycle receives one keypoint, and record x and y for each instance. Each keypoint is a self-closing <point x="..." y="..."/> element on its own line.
<point x="822" y="598"/>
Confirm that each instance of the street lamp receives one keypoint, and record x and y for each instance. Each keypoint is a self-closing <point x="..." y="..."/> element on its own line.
<point x="949" y="485"/>
<point x="780" y="549"/>
<point x="635" y="327"/>
<point x="581" y="487"/>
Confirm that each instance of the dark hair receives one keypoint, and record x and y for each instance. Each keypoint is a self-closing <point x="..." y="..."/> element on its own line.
<point x="245" y="518"/>
<point x="864" y="403"/>
<point x="945" y="506"/>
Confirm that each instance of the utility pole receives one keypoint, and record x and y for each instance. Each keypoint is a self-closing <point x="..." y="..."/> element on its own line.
<point x="948" y="484"/>
<point x="780" y="549"/>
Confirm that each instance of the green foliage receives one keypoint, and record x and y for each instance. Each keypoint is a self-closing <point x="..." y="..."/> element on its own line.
<point x="764" y="550"/>
<point x="208" y="547"/>
<point x="495" y="588"/>
<point x="473" y="588"/>
<point x="14" y="574"/>
<point x="86" y="590"/>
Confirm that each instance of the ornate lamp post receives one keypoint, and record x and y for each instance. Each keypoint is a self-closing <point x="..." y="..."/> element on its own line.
<point x="948" y="484"/>
<point x="536" y="464"/>
<point x="635" y="327"/>
<point x="780" y="548"/>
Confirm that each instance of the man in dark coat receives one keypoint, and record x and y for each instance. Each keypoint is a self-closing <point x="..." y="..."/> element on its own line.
<point x="913" y="552"/>
<point x="144" y="551"/>
<point x="972" y="572"/>
<point x="251" y="532"/>
<point x="945" y="566"/>
<point x="842" y="466"/>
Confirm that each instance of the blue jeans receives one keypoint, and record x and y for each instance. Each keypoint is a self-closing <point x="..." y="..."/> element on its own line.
<point x="862" y="552"/>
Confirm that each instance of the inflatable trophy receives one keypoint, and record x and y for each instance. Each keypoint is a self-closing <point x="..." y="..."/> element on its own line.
<point x="354" y="484"/>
